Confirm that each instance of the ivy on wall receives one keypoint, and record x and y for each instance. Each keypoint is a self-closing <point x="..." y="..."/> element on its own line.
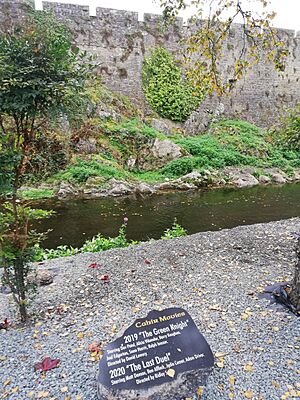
<point x="167" y="92"/>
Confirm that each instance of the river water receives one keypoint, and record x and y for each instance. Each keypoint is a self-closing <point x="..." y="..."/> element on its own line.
<point x="78" y="220"/>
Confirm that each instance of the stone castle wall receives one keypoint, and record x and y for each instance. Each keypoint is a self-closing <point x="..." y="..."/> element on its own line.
<point x="120" y="41"/>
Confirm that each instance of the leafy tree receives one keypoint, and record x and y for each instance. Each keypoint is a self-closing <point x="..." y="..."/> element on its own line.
<point x="166" y="91"/>
<point x="41" y="75"/>
<point x="18" y="248"/>
<point x="290" y="134"/>
<point x="209" y="36"/>
<point x="207" y="43"/>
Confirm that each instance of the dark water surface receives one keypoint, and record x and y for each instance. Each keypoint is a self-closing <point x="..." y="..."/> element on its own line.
<point x="77" y="220"/>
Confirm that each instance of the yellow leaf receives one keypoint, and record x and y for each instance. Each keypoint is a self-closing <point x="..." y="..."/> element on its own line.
<point x="249" y="394"/>
<point x="7" y="382"/>
<point x="80" y="335"/>
<point x="64" y="389"/>
<point x="275" y="384"/>
<point x="200" y="391"/>
<point x="171" y="372"/>
<point x="220" y="364"/>
<point x="2" y="358"/>
<point x="231" y="380"/>
<point x="219" y="354"/>
<point x="248" y="367"/>
<point x="42" y="395"/>
<point x="30" y="394"/>
<point x="15" y="389"/>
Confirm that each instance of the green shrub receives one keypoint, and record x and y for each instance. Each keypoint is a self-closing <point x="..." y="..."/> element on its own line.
<point x="289" y="136"/>
<point x="132" y="127"/>
<point x="166" y="91"/>
<point x="100" y="243"/>
<point x="175" y="231"/>
<point x="82" y="170"/>
<point x="179" y="167"/>
<point x="36" y="194"/>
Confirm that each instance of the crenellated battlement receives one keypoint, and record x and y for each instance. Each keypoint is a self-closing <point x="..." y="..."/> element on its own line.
<point x="119" y="40"/>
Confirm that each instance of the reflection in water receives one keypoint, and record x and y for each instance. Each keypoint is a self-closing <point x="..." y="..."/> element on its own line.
<point x="77" y="220"/>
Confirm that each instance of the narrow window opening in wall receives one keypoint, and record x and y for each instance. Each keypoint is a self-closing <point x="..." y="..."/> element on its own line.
<point x="123" y="73"/>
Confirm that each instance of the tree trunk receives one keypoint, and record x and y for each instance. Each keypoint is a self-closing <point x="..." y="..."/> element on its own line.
<point x="20" y="287"/>
<point x="295" y="291"/>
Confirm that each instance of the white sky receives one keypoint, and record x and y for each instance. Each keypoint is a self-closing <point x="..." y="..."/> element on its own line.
<point x="288" y="11"/>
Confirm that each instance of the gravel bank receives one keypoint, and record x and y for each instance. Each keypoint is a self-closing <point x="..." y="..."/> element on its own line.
<point x="215" y="276"/>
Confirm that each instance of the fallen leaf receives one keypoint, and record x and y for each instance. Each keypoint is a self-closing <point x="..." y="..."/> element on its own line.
<point x="4" y="324"/>
<point x="7" y="382"/>
<point x="219" y="354"/>
<point x="220" y="364"/>
<point x="80" y="335"/>
<point x="200" y="391"/>
<point x="15" y="389"/>
<point x="94" y="347"/>
<point x="275" y="384"/>
<point x="215" y="307"/>
<point x="46" y="364"/>
<point x="95" y="266"/>
<point x="249" y="394"/>
<point x="104" y="278"/>
<point x="231" y="380"/>
<point x="42" y="395"/>
<point x="64" y="389"/>
<point x="248" y="367"/>
<point x="171" y="372"/>
<point x="147" y="261"/>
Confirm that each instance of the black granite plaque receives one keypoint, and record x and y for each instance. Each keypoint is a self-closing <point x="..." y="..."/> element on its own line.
<point x="155" y="350"/>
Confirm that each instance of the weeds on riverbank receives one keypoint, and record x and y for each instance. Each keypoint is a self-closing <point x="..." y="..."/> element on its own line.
<point x="100" y="243"/>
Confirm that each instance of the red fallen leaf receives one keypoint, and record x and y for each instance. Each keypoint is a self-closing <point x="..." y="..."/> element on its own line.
<point x="95" y="265"/>
<point x="104" y="278"/>
<point x="94" y="347"/>
<point x="4" y="324"/>
<point x="147" y="261"/>
<point x="46" y="364"/>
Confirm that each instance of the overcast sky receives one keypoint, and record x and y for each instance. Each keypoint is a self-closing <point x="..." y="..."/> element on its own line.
<point x="288" y="11"/>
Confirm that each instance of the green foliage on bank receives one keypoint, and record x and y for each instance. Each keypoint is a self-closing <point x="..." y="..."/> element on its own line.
<point x="289" y="135"/>
<point x="81" y="170"/>
<point x="231" y="143"/>
<point x="100" y="243"/>
<point x="36" y="194"/>
<point x="167" y="92"/>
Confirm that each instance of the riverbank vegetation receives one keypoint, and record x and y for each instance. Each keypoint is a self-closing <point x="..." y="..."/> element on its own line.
<point x="100" y="243"/>
<point x="121" y="147"/>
